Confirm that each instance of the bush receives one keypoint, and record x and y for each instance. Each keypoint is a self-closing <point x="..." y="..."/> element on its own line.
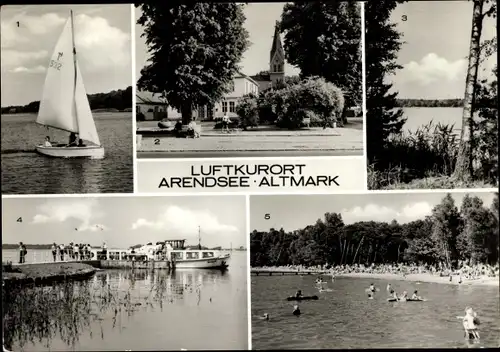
<point x="313" y="97"/>
<point x="248" y="111"/>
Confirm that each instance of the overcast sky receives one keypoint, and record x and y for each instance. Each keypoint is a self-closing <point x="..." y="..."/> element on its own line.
<point x="437" y="36"/>
<point x="103" y="42"/>
<point x="260" y="21"/>
<point x="125" y="221"/>
<point x="297" y="211"/>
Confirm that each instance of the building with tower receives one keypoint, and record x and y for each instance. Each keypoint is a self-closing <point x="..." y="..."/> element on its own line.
<point x="276" y="63"/>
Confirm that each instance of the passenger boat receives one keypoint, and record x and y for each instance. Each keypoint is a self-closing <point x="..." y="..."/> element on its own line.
<point x="174" y="251"/>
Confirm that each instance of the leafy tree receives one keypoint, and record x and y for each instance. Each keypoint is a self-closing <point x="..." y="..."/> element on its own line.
<point x="486" y="129"/>
<point x="382" y="43"/>
<point x="195" y="49"/>
<point x="446" y="227"/>
<point x="324" y="39"/>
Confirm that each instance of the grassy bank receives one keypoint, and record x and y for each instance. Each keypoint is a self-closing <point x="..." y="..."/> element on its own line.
<point x="49" y="272"/>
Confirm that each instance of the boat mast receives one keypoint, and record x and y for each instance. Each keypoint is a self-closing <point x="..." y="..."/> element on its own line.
<point x="74" y="64"/>
<point x="199" y="237"/>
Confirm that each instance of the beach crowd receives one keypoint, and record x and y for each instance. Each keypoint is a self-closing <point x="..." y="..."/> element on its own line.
<point x="465" y="270"/>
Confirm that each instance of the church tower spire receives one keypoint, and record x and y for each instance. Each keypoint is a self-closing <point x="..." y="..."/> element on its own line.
<point x="277" y="57"/>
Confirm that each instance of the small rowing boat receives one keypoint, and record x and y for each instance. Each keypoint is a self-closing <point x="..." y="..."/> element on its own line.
<point x="302" y="298"/>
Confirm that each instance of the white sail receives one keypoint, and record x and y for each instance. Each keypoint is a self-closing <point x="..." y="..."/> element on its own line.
<point x="86" y="124"/>
<point x="64" y="104"/>
<point x="57" y="106"/>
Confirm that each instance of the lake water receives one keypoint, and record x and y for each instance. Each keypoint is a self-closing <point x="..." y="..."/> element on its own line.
<point x="417" y="117"/>
<point x="345" y="318"/>
<point x="142" y="310"/>
<point x="26" y="172"/>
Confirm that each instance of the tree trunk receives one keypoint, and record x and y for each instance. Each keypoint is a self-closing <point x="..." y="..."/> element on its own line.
<point x="355" y="254"/>
<point x="187" y="112"/>
<point x="464" y="166"/>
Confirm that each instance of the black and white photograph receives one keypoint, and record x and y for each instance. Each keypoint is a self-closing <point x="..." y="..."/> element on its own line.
<point x="249" y="79"/>
<point x="431" y="83"/>
<point x="66" y="98"/>
<point x="125" y="273"/>
<point x="375" y="270"/>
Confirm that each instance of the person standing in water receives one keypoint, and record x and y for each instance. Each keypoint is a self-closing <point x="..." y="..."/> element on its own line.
<point x="296" y="310"/>
<point x="470" y="322"/>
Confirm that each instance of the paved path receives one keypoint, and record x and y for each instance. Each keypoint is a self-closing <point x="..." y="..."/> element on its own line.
<point x="247" y="154"/>
<point x="350" y="141"/>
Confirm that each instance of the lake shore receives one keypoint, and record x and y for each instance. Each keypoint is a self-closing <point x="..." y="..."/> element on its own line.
<point x="422" y="277"/>
<point x="46" y="272"/>
<point x="425" y="277"/>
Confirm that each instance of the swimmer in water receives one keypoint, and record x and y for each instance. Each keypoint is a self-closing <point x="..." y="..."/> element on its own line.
<point x="404" y="296"/>
<point x="389" y="288"/>
<point x="415" y="296"/>
<point x="298" y="294"/>
<point x="296" y="310"/>
<point x="266" y="316"/>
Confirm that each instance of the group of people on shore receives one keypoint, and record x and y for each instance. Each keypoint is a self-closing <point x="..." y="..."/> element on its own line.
<point x="72" y="251"/>
<point x="465" y="271"/>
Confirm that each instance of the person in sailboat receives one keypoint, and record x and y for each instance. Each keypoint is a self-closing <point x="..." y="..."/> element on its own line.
<point x="47" y="142"/>
<point x="81" y="144"/>
<point x="72" y="140"/>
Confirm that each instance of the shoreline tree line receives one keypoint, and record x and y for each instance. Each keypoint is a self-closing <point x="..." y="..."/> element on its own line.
<point x="449" y="234"/>
<point x="120" y="100"/>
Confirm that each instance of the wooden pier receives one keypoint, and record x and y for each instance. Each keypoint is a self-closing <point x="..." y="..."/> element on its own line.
<point x="266" y="272"/>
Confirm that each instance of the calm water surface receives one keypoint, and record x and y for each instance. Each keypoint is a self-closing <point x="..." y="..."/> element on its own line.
<point x="26" y="172"/>
<point x="345" y="318"/>
<point x="417" y="117"/>
<point x="191" y="309"/>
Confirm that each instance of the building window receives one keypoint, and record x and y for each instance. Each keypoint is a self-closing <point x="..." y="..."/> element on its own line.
<point x="231" y="106"/>
<point x="224" y="106"/>
<point x="137" y="109"/>
<point x="156" y="108"/>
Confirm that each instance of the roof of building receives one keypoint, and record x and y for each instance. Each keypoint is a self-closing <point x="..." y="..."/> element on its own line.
<point x="143" y="97"/>
<point x="250" y="78"/>
<point x="262" y="77"/>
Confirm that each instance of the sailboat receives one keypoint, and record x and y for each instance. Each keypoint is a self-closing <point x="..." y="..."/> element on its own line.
<point x="64" y="104"/>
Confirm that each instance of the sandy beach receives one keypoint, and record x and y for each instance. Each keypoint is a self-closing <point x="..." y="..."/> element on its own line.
<point x="486" y="281"/>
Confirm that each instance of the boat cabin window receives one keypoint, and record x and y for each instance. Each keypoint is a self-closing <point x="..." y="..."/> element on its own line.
<point x="192" y="255"/>
<point x="208" y="254"/>
<point x="177" y="255"/>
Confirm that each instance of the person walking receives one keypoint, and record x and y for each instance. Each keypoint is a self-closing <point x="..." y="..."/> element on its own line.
<point x="225" y="123"/>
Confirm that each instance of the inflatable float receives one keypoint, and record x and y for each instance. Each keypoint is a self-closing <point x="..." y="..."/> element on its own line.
<point x="303" y="298"/>
<point x="407" y="300"/>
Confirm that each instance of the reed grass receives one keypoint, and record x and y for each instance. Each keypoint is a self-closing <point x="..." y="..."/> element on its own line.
<point x="423" y="159"/>
<point x="34" y="314"/>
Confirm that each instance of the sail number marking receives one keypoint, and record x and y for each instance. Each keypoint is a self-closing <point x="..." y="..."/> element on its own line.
<point x="55" y="64"/>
